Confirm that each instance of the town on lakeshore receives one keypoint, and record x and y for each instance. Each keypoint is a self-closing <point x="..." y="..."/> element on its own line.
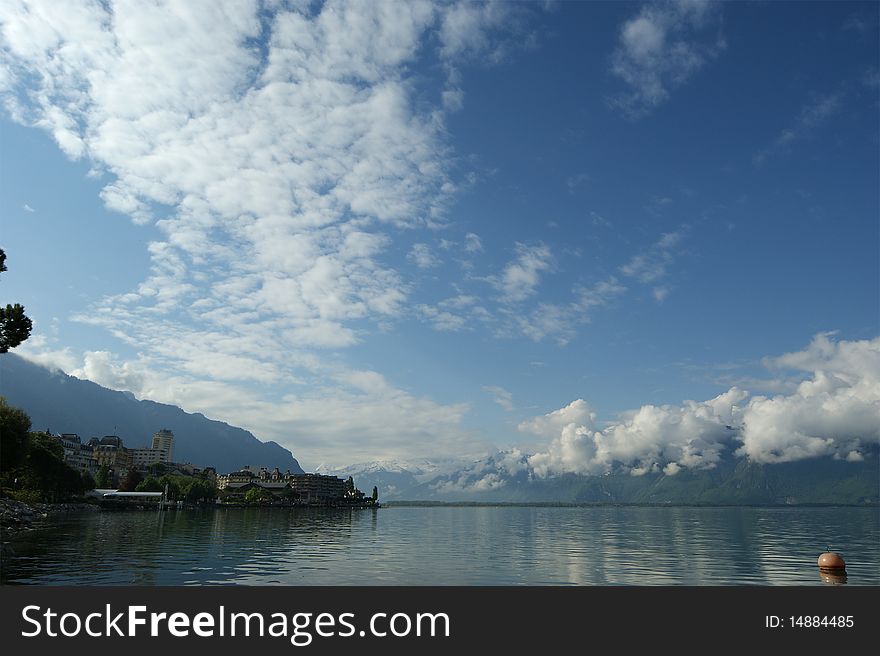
<point x="126" y="476"/>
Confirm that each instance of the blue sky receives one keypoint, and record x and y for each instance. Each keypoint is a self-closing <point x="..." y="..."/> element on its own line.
<point x="396" y="230"/>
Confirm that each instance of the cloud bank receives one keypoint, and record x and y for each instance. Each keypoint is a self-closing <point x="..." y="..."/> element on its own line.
<point x="835" y="411"/>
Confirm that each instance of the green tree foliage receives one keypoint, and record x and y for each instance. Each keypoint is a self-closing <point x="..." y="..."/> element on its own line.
<point x="32" y="464"/>
<point x="349" y="486"/>
<point x="102" y="477"/>
<point x="257" y="495"/>
<point x="149" y="484"/>
<point x="46" y="472"/>
<point x="375" y="493"/>
<point x="14" y="440"/>
<point x="15" y="326"/>
<point x="173" y="484"/>
<point x="199" y="490"/>
<point x="182" y="488"/>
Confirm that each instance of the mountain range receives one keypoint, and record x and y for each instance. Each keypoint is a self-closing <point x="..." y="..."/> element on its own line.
<point x="60" y="403"/>
<point x="507" y="477"/>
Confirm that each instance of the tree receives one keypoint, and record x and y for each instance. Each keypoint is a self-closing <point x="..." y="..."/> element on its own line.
<point x="46" y="472"/>
<point x="349" y="486"/>
<point x="257" y="495"/>
<point x="375" y="493"/>
<point x="149" y="484"/>
<point x="174" y="486"/>
<point x="102" y="478"/>
<point x="14" y="439"/>
<point x="199" y="490"/>
<point x="15" y="326"/>
<point x="33" y="463"/>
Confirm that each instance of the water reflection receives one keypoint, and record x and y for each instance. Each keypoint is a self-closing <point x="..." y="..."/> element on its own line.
<point x="832" y="579"/>
<point x="449" y="546"/>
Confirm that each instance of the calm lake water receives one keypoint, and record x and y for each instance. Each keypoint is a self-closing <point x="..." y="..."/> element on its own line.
<point x="449" y="546"/>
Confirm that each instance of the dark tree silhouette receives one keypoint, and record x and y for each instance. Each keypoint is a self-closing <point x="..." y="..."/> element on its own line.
<point x="15" y="326"/>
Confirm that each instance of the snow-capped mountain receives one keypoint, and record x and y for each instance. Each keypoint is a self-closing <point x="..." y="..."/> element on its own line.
<point x="393" y="478"/>
<point x="507" y="476"/>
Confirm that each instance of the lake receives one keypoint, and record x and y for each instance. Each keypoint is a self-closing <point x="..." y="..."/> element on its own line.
<point x="448" y="546"/>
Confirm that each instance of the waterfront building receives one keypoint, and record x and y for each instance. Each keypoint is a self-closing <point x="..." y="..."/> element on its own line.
<point x="317" y="487"/>
<point x="109" y="451"/>
<point x="235" y="479"/>
<point x="76" y="454"/>
<point x="309" y="488"/>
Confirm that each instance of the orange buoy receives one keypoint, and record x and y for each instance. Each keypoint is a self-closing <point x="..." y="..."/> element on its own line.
<point x="831" y="562"/>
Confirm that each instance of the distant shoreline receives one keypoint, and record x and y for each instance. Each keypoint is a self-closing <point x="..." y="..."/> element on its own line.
<point x="610" y="504"/>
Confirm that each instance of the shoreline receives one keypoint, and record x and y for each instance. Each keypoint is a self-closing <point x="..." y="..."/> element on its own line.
<point x="18" y="516"/>
<point x="610" y="504"/>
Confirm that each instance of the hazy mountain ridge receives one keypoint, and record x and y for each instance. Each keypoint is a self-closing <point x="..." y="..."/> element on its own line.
<point x="62" y="403"/>
<point x="506" y="477"/>
<point x="392" y="477"/>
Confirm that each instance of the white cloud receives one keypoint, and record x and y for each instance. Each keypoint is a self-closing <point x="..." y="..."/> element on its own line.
<point x="472" y="243"/>
<point x="599" y="294"/>
<point x="38" y="348"/>
<point x="28" y="208"/>
<point x="651" y="265"/>
<point x="422" y="257"/>
<point x="812" y="115"/>
<point x="834" y="412"/>
<point x="459" y="302"/>
<point x="692" y="435"/>
<point x="466" y="30"/>
<point x="290" y="163"/>
<point x="270" y="156"/>
<point x="283" y="147"/>
<point x="455" y="313"/>
<point x="484" y="475"/>
<point x="521" y="277"/>
<point x="102" y="367"/>
<point x="577" y="412"/>
<point x="660" y="49"/>
<point x="441" y="320"/>
<point x="560" y="322"/>
<point x="358" y="413"/>
<point x="502" y="396"/>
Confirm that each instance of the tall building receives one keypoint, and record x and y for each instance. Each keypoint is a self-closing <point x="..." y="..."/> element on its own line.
<point x="163" y="442"/>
